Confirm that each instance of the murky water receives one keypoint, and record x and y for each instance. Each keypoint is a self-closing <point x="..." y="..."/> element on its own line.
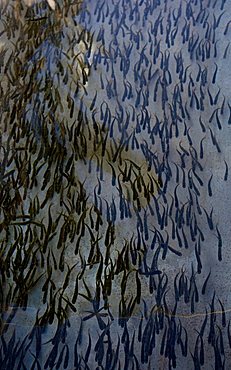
<point x="114" y="185"/>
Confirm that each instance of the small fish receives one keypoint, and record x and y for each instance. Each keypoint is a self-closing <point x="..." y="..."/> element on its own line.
<point x="223" y="106"/>
<point x="209" y="186"/>
<point x="205" y="283"/>
<point x="131" y="350"/>
<point x="69" y="304"/>
<point x="177" y="173"/>
<point x="113" y="174"/>
<point x="66" y="358"/>
<point x="209" y="218"/>
<point x="216" y="97"/>
<point x="176" y="290"/>
<point x="202" y="330"/>
<point x="229" y="335"/>
<point x="216" y="22"/>
<point x="138" y="288"/>
<point x="140" y="328"/>
<point x="214" y="141"/>
<point x="101" y="81"/>
<point x="223" y="317"/>
<point x="88" y="351"/>
<point x="116" y="355"/>
<point x="201" y="148"/>
<point x="219" y="244"/>
<point x="67" y="277"/>
<point x="221" y="341"/>
<point x="185" y="239"/>
<point x="199" y="264"/>
<point x="182" y="158"/>
<point x="36" y="362"/>
<point x="93" y="102"/>
<point x="202" y="125"/>
<point x="198" y="177"/>
<point x="226" y="51"/>
<point x="227" y="28"/>
<point x="218" y="120"/>
<point x="229" y="120"/>
<point x="163" y="341"/>
<point x="179" y="238"/>
<point x="183" y="149"/>
<point x="60" y="359"/>
<point x="210" y="97"/>
<point x="226" y="171"/>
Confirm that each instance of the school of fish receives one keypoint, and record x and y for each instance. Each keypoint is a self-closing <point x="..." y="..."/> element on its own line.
<point x="112" y="116"/>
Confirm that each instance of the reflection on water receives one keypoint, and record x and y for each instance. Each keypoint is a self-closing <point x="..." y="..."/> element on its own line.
<point x="114" y="185"/>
